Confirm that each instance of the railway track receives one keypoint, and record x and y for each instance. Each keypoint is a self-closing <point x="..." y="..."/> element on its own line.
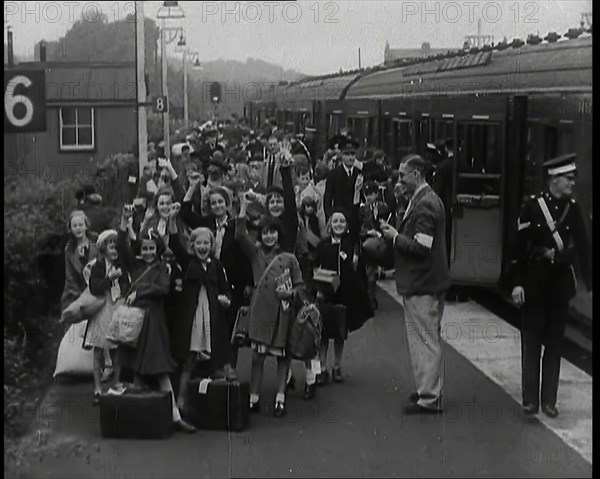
<point x="577" y="346"/>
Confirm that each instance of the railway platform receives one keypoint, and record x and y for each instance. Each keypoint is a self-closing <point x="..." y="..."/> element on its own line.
<point x="354" y="429"/>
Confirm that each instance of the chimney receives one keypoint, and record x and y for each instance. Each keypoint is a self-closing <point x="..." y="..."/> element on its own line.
<point x="42" y="51"/>
<point x="10" y="52"/>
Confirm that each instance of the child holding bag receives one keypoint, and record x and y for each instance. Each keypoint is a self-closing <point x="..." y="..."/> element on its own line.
<point x="108" y="280"/>
<point x="150" y="285"/>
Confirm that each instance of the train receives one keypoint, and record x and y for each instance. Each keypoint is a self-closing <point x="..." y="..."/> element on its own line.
<point x="511" y="106"/>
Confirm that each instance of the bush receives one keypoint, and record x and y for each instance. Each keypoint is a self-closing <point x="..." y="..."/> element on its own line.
<point x="35" y="215"/>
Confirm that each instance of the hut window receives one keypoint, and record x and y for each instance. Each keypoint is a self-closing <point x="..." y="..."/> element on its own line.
<point x="77" y="129"/>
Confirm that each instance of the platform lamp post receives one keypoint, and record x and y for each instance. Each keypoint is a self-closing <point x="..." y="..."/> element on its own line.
<point x="168" y="11"/>
<point x="182" y="44"/>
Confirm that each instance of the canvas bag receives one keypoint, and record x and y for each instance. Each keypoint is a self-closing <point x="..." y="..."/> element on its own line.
<point x="127" y="321"/>
<point x="72" y="359"/>
<point x="84" y="307"/>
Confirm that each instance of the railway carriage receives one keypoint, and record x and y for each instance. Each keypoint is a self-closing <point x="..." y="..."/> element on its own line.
<point x="510" y="108"/>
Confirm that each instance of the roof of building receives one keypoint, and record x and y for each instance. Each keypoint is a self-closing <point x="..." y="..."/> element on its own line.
<point x="87" y="81"/>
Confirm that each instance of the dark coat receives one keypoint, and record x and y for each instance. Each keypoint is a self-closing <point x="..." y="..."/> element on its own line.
<point x="100" y="284"/>
<point x="236" y="263"/>
<point x="352" y="291"/>
<point x="152" y="355"/>
<point x="420" y="247"/>
<point x="215" y="281"/>
<point x="289" y="218"/>
<point x="541" y="278"/>
<point x="74" y="280"/>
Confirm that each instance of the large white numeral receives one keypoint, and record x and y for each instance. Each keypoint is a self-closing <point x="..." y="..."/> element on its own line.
<point x="160" y="106"/>
<point x="11" y="101"/>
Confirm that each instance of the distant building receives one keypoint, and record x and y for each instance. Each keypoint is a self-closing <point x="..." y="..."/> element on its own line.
<point x="392" y="54"/>
<point x="90" y="115"/>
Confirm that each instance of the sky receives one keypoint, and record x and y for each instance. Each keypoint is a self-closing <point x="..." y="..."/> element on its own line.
<point x="309" y="36"/>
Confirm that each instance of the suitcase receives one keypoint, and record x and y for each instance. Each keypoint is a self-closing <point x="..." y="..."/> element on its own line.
<point x="225" y="405"/>
<point x="136" y="414"/>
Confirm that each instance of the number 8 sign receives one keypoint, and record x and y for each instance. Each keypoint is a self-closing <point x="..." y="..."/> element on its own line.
<point x="24" y="101"/>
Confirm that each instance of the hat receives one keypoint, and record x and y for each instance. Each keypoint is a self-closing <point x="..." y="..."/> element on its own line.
<point x="104" y="237"/>
<point x="218" y="161"/>
<point x="310" y="128"/>
<point x="370" y="187"/>
<point x="561" y="164"/>
<point x="336" y="140"/>
<point x="350" y="145"/>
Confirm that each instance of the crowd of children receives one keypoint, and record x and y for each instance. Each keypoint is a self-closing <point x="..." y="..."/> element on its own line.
<point x="230" y="224"/>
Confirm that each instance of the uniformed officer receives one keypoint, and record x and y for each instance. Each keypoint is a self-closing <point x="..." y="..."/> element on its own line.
<point x="550" y="230"/>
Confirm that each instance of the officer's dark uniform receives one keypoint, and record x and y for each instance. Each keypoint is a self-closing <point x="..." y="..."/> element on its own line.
<point x="548" y="284"/>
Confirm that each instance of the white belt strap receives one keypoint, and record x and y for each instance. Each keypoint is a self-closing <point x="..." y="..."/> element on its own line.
<point x="551" y="224"/>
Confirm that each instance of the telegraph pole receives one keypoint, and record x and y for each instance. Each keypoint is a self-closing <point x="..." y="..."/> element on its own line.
<point x="141" y="86"/>
<point x="165" y="91"/>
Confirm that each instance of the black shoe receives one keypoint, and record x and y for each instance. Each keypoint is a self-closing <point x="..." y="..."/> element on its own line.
<point x="322" y="378"/>
<point x="279" y="409"/>
<point x="291" y="384"/>
<point x="336" y="374"/>
<point x="411" y="409"/>
<point x="549" y="410"/>
<point x="255" y="407"/>
<point x="183" y="426"/>
<point x="414" y="397"/>
<point x="310" y="390"/>
<point x="530" y="410"/>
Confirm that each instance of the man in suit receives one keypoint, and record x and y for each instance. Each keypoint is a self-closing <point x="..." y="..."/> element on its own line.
<point x="551" y="230"/>
<point x="273" y="154"/>
<point x="210" y="146"/>
<point x="344" y="186"/>
<point x="422" y="278"/>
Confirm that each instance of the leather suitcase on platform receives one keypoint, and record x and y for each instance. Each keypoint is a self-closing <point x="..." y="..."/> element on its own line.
<point x="224" y="406"/>
<point x="136" y="414"/>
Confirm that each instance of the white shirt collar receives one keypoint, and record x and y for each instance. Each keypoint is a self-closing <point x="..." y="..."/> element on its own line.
<point x="335" y="240"/>
<point x="349" y="171"/>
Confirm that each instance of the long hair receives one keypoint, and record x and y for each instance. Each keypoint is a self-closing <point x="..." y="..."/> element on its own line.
<point x="71" y="243"/>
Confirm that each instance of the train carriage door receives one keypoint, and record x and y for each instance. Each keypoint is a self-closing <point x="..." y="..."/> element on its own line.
<point x="402" y="140"/>
<point x="476" y="250"/>
<point x="423" y="135"/>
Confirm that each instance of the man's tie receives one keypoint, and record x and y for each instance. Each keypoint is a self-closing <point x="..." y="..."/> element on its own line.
<point x="219" y="239"/>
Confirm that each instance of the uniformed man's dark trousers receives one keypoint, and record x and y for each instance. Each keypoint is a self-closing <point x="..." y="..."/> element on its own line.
<point x="543" y="322"/>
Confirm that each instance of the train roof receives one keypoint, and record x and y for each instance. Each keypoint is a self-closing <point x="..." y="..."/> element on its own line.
<point x="325" y="87"/>
<point x="558" y="66"/>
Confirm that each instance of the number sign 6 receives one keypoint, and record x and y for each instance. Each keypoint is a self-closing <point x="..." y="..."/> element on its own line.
<point x="24" y="104"/>
<point x="11" y="101"/>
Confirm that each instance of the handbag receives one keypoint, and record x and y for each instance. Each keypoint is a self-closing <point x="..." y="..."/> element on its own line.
<point x="326" y="280"/>
<point x="127" y="321"/>
<point x="84" y="307"/>
<point x="304" y="338"/>
<point x="240" y="336"/>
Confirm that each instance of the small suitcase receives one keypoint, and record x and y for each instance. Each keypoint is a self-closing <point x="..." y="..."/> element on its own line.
<point x="136" y="414"/>
<point x="224" y="406"/>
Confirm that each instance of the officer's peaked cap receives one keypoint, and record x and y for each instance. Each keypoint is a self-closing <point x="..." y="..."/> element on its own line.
<point x="561" y="164"/>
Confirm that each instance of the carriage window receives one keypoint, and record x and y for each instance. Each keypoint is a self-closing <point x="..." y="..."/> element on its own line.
<point x="479" y="159"/>
<point x="442" y="129"/>
<point x="423" y="136"/>
<point x="402" y="137"/>
<point x="334" y="124"/>
<point x="566" y="142"/>
<point x="387" y="136"/>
